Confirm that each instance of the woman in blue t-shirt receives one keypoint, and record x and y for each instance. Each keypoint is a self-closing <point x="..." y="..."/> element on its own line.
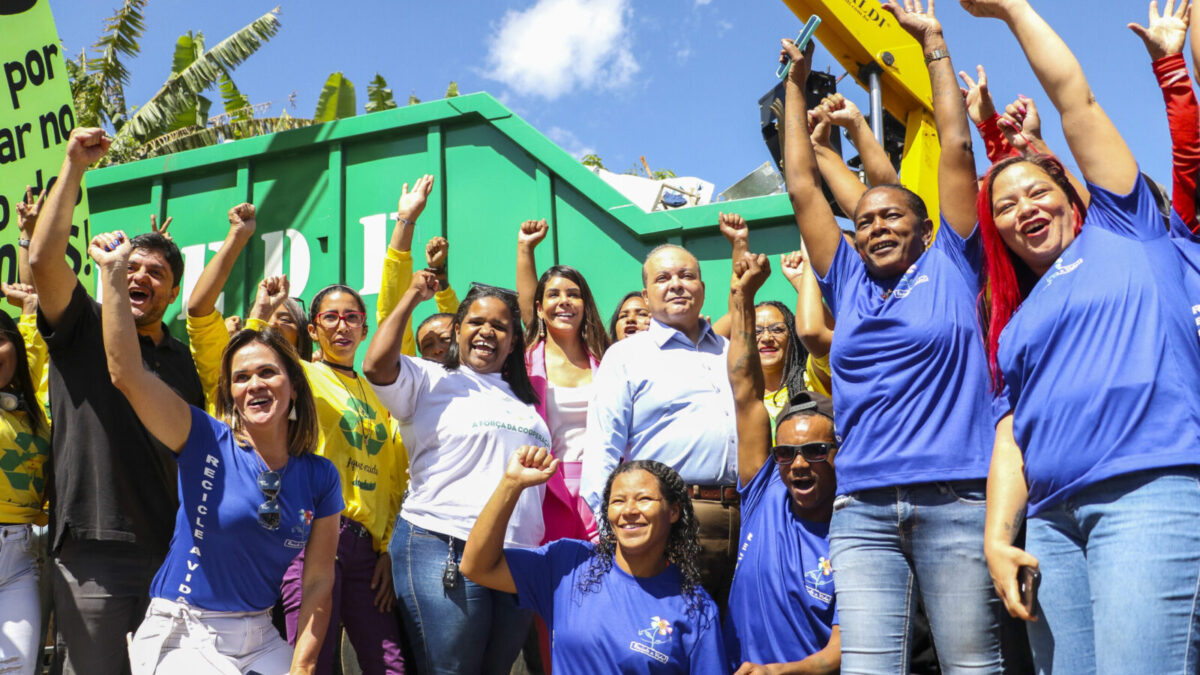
<point x="632" y="602"/>
<point x="252" y="495"/>
<point x="912" y="400"/>
<point x="1092" y="334"/>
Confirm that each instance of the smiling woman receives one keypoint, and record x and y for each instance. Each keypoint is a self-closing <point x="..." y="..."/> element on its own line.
<point x="252" y="495"/>
<point x="641" y="575"/>
<point x="906" y="321"/>
<point x="460" y="416"/>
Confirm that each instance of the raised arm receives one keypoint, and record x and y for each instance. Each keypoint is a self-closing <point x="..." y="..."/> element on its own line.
<point x="1021" y="126"/>
<point x="982" y="111"/>
<point x="1164" y="38"/>
<point x="842" y="181"/>
<point x="203" y="300"/>
<point x="813" y="215"/>
<point x="814" y="323"/>
<point x="164" y="414"/>
<point x="52" y="275"/>
<point x="745" y="369"/>
<point x="1194" y="13"/>
<point x="1095" y="143"/>
<point x="957" y="186"/>
<point x="382" y="363"/>
<point x="28" y="211"/>
<point x="1007" y="496"/>
<point x="531" y="233"/>
<point x="483" y="558"/>
<point x="875" y="162"/>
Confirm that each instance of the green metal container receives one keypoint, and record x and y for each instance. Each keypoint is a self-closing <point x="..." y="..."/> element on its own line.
<point x="324" y="195"/>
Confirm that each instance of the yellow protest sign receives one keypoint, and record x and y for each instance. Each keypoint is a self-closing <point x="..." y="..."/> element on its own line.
<point x="36" y="118"/>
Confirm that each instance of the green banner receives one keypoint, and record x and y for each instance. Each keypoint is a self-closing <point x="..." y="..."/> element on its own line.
<point x="36" y="118"/>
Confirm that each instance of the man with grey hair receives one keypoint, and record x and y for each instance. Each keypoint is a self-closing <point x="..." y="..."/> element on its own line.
<point x="663" y="394"/>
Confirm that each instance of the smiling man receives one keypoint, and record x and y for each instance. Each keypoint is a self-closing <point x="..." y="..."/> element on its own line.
<point x="783" y="569"/>
<point x="113" y="486"/>
<point x="663" y="395"/>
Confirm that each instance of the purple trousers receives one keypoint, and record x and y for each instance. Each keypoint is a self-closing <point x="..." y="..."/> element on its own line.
<point x="374" y="634"/>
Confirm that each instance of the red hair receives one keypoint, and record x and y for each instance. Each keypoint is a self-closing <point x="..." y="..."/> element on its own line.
<point x="1002" y="291"/>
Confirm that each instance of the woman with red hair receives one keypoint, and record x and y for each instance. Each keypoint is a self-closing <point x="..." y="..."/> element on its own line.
<point x="1091" y="337"/>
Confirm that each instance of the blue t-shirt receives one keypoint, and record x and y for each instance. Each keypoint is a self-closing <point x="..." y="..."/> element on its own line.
<point x="1187" y="243"/>
<point x="783" y="572"/>
<point x="913" y="403"/>
<point x="1101" y="360"/>
<point x="627" y="624"/>
<point x="220" y="558"/>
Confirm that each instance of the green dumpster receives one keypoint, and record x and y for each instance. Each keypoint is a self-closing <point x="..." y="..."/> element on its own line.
<point x="326" y="198"/>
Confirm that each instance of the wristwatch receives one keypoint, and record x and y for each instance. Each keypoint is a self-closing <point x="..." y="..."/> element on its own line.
<point x="936" y="55"/>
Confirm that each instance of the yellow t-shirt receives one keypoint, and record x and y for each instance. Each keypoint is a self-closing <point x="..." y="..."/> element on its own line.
<point x="397" y="275"/>
<point x="775" y="401"/>
<point x="815" y="365"/>
<point x="23" y="453"/>
<point x="362" y="440"/>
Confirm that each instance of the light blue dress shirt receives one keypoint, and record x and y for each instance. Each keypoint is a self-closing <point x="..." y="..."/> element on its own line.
<point x="658" y="396"/>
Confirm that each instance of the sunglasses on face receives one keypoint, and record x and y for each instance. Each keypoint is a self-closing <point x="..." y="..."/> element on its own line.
<point x="269" y="483"/>
<point x="331" y="318"/>
<point x="811" y="452"/>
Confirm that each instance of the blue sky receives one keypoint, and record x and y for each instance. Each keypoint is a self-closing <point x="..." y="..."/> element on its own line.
<point x="674" y="80"/>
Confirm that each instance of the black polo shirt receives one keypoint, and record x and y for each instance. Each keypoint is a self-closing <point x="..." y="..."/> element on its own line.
<point x="109" y="479"/>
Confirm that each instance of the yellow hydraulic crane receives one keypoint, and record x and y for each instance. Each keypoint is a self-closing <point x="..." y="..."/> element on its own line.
<point x="888" y="63"/>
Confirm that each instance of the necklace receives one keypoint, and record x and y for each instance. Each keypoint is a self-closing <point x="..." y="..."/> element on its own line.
<point x="338" y="366"/>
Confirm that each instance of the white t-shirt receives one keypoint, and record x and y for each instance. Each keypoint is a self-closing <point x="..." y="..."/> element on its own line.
<point x="460" y="428"/>
<point x="566" y="411"/>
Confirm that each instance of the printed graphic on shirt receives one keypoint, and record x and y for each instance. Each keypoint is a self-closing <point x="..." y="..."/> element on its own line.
<point x="907" y="283"/>
<point x="21" y="465"/>
<point x="659" y="633"/>
<point x="360" y="429"/>
<point x="818" y="578"/>
<point x="1062" y="270"/>
<point x="300" y="530"/>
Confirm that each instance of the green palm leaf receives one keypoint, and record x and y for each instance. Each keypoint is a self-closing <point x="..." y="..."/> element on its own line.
<point x="153" y="118"/>
<point x="336" y="100"/>
<point x="379" y="97"/>
<point x="120" y="38"/>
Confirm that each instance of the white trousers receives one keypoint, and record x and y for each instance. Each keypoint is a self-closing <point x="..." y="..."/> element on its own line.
<point x="182" y="640"/>
<point x="20" y="609"/>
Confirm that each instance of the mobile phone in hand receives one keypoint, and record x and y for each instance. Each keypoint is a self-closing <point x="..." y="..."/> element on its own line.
<point x="1028" y="580"/>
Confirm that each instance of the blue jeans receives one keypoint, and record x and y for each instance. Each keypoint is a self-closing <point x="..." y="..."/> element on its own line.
<point x="466" y="629"/>
<point x="888" y="544"/>
<point x="1120" y="563"/>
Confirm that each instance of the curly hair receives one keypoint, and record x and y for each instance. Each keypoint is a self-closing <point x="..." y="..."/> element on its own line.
<point x="683" y="542"/>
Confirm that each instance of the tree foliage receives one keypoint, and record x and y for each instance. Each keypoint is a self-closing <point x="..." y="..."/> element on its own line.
<point x="337" y="99"/>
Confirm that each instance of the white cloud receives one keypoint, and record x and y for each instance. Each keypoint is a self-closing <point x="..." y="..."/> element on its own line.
<point x="570" y="142"/>
<point x="723" y="27"/>
<point x="557" y="46"/>
<point x="701" y="3"/>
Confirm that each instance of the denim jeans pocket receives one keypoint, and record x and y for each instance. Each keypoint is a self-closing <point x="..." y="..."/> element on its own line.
<point x="973" y="492"/>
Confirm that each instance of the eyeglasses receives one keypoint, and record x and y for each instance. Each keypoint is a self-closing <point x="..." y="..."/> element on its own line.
<point x="811" y="452"/>
<point x="269" y="483"/>
<point x="331" y="318"/>
<point x="777" y="329"/>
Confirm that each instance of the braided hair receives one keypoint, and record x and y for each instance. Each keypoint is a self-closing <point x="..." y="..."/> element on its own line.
<point x="795" y="360"/>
